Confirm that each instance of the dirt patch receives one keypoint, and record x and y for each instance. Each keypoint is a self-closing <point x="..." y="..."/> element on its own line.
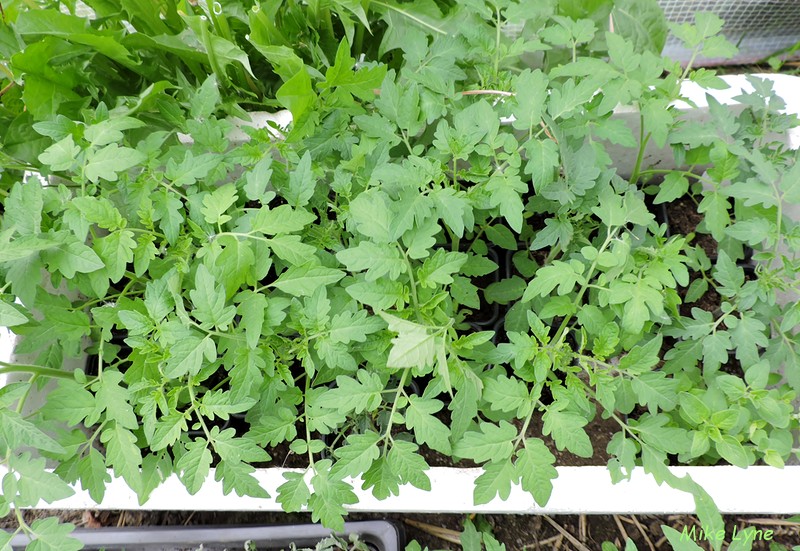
<point x="441" y="531"/>
<point x="683" y="219"/>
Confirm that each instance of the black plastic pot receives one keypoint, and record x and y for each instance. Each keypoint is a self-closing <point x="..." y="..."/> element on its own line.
<point x="662" y="217"/>
<point x="379" y="535"/>
<point x="488" y="313"/>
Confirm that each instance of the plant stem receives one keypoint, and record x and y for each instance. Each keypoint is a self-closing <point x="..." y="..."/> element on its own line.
<point x="39" y="370"/>
<point x="24" y="397"/>
<point x="387" y="434"/>
<point x="643" y="139"/>
<point x="305" y="423"/>
<point x="497" y="43"/>
<point x="413" y="282"/>
<point x="562" y="330"/>
<point x="193" y="399"/>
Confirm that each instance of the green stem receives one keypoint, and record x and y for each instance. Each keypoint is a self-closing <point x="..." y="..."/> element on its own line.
<point x="687" y="173"/>
<point x="358" y="42"/>
<point x="305" y="423"/>
<point x="413" y="282"/>
<point x="387" y="434"/>
<point x="193" y="399"/>
<point x="524" y="429"/>
<point x="24" y="397"/>
<point x="497" y="43"/>
<point x="562" y="330"/>
<point x="21" y="521"/>
<point x="689" y="65"/>
<point x="643" y="139"/>
<point x="39" y="370"/>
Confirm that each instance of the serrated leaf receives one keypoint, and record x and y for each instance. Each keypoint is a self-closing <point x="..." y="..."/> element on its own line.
<point x="123" y="455"/>
<point x="377" y="260"/>
<point x="496" y="479"/>
<point x="112" y="159"/>
<point x="93" y="474"/>
<point x="535" y="468"/>
<point x="404" y="459"/>
<point x="233" y="449"/>
<point x="304" y="280"/>
<point x="357" y="456"/>
<point x="70" y="257"/>
<point x="238" y="477"/>
<point x="10" y="316"/>
<point x="167" y="430"/>
<point x="427" y="428"/>
<point x="380" y="295"/>
<point x="329" y="497"/>
<point x="17" y="432"/>
<point x="294" y="493"/>
<point x="414" y="346"/>
<point x="62" y="155"/>
<point x="193" y="466"/>
<point x="209" y="301"/>
<point x="275" y="428"/>
<point x="383" y="480"/>
<point x="506" y="394"/>
<point x="347" y="327"/>
<point x="372" y="216"/>
<point x="301" y="182"/>
<point x="186" y="355"/>
<point x="674" y="186"/>
<point x="558" y="274"/>
<point x="567" y="430"/>
<point x="492" y="443"/>
<point x="438" y="269"/>
<point x="251" y="309"/>
<point x="281" y="219"/>
<point x="216" y="203"/>
<point x="36" y="482"/>
<point x="51" y="535"/>
<point x="356" y="396"/>
<point x="656" y="391"/>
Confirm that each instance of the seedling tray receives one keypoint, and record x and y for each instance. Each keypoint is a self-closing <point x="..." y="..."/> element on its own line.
<point x="379" y="535"/>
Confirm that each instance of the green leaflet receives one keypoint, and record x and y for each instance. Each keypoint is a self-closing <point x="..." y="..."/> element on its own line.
<point x="302" y="280"/>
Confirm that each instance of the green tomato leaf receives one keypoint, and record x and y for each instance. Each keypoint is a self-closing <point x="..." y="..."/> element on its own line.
<point x="109" y="161"/>
<point x="293" y="494"/>
<point x="567" y="430"/>
<point x="330" y="496"/>
<point x="50" y="535"/>
<point x="194" y="466"/>
<point x="535" y="468"/>
<point x="492" y="443"/>
<point x="305" y="279"/>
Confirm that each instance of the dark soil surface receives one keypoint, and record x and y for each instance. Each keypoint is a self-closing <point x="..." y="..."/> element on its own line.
<point x="439" y="531"/>
<point x="684" y="219"/>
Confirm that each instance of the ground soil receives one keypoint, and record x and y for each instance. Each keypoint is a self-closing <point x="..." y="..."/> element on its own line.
<point x="440" y="531"/>
<point x="683" y="219"/>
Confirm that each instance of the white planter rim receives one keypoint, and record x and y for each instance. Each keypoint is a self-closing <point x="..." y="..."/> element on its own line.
<point x="577" y="490"/>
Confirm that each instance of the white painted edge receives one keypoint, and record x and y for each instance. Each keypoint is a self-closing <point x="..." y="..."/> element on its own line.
<point x="589" y="490"/>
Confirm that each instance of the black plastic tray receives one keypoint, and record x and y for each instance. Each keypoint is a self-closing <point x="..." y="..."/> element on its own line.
<point x="380" y="535"/>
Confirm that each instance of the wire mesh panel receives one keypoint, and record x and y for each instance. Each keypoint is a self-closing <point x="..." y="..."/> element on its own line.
<point x="759" y="28"/>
